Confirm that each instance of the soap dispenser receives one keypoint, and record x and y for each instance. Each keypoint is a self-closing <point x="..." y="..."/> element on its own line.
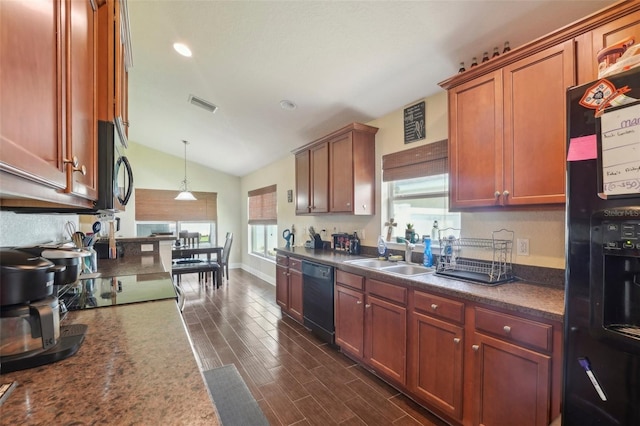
<point x="382" y="247"/>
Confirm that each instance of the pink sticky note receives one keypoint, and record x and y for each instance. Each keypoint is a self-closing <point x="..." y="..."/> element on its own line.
<point x="583" y="148"/>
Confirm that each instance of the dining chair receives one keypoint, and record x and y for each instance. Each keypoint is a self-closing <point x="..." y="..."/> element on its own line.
<point x="224" y="261"/>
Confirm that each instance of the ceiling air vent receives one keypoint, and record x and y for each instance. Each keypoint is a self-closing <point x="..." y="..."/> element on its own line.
<point x="199" y="102"/>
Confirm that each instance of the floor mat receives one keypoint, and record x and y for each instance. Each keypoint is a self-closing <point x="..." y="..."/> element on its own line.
<point x="233" y="400"/>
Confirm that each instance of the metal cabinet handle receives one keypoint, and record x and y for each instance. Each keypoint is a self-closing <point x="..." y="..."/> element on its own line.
<point x="367" y="305"/>
<point x="358" y="302"/>
<point x="475" y="348"/>
<point x="74" y="165"/>
<point x="497" y="194"/>
<point x="348" y="204"/>
<point x="505" y="194"/>
<point x="456" y="340"/>
<point x="364" y="207"/>
<point x="434" y="306"/>
<point x="507" y="329"/>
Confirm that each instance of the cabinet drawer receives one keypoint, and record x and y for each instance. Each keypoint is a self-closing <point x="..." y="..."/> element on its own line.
<point x="351" y="280"/>
<point x="282" y="260"/>
<point x="295" y="264"/>
<point x="530" y="333"/>
<point x="387" y="291"/>
<point x="439" y="307"/>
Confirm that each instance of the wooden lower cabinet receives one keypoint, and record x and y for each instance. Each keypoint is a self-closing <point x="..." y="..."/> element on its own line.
<point x="349" y="317"/>
<point x="436" y="366"/>
<point x="468" y="363"/>
<point x="371" y="324"/>
<point x="289" y="286"/>
<point x="512" y="385"/>
<point x="385" y="345"/>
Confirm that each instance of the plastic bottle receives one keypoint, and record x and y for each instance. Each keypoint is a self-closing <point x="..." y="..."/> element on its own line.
<point x="382" y="246"/>
<point x="428" y="258"/>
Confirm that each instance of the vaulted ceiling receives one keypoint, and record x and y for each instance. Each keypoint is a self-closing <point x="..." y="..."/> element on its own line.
<point x="338" y="61"/>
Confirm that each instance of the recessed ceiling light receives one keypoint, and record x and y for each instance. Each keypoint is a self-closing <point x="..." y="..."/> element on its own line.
<point x="182" y="49"/>
<point x="287" y="104"/>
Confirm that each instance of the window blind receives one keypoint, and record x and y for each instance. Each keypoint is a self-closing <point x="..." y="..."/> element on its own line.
<point x="425" y="160"/>
<point x="263" y="206"/>
<point x="159" y="204"/>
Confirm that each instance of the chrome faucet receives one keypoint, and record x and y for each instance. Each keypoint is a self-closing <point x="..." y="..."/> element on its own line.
<point x="408" y="248"/>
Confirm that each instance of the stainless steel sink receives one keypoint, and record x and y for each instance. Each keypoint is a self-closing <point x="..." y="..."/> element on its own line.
<point x="408" y="269"/>
<point x="391" y="267"/>
<point x="369" y="263"/>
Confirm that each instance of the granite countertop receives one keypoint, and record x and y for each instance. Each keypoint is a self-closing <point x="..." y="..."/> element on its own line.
<point x="520" y="296"/>
<point x="131" y="265"/>
<point x="135" y="366"/>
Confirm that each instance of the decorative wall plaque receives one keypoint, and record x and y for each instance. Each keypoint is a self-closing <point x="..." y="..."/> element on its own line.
<point x="414" y="123"/>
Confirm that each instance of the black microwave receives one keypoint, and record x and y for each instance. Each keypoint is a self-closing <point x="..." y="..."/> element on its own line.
<point x="115" y="177"/>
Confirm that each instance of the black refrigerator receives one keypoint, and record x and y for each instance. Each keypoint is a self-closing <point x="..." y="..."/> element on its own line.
<point x="602" y="289"/>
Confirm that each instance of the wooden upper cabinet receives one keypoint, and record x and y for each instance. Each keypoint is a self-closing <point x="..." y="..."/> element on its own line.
<point x="475" y="141"/>
<point x="303" y="198"/>
<point x="114" y="61"/>
<point x="590" y="43"/>
<point x="534" y="126"/>
<point x="31" y="115"/>
<point x="319" y="193"/>
<point x="336" y="173"/>
<point x="81" y="102"/>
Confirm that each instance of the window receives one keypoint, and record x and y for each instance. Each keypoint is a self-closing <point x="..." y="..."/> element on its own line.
<point x="421" y="201"/>
<point x="263" y="221"/>
<point x="416" y="183"/>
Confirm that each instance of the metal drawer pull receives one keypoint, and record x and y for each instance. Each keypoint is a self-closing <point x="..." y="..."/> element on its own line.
<point x="475" y="347"/>
<point x="434" y="306"/>
<point x="358" y="302"/>
<point x="507" y="329"/>
<point x="367" y="305"/>
<point x="456" y="340"/>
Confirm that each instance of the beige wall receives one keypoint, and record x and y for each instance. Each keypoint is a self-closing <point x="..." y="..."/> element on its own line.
<point x="153" y="169"/>
<point x="544" y="229"/>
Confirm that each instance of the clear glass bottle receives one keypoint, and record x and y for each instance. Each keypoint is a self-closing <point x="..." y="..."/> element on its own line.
<point x="474" y="62"/>
<point x="496" y="53"/>
<point x="462" y="68"/>
<point x="506" y="47"/>
<point x="485" y="56"/>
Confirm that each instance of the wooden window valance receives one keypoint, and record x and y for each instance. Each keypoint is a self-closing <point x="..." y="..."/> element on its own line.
<point x="159" y="204"/>
<point x="425" y="160"/>
<point x="263" y="206"/>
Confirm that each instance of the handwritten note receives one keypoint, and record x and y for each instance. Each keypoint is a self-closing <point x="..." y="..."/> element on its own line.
<point x="620" y="130"/>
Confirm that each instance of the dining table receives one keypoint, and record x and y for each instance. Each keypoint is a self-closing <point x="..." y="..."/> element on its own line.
<point x="182" y="252"/>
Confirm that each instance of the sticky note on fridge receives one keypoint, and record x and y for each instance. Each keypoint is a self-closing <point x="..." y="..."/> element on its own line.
<point x="583" y="148"/>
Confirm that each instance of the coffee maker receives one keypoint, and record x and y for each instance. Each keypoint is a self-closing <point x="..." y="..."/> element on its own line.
<point x="30" y="331"/>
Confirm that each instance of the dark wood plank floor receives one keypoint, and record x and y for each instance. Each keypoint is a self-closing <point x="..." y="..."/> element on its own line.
<point x="296" y="378"/>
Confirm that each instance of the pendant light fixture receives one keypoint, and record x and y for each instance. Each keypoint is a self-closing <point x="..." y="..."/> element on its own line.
<point x="185" y="194"/>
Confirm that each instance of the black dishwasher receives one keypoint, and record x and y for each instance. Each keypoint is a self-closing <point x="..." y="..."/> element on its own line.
<point x="317" y="299"/>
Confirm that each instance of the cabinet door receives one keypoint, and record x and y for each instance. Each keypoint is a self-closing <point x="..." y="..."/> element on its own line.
<point x="295" y="294"/>
<point x="31" y="131"/>
<point x="534" y="126"/>
<point x="436" y="368"/>
<point x="512" y="384"/>
<point x="349" y="316"/>
<point x="386" y="338"/>
<point x="341" y="174"/>
<point x="81" y="101"/>
<point x="603" y="36"/>
<point x="475" y="142"/>
<point x="319" y="161"/>
<point x="282" y="286"/>
<point x="303" y="199"/>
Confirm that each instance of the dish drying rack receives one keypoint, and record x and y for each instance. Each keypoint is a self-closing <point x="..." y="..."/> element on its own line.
<point x="490" y="272"/>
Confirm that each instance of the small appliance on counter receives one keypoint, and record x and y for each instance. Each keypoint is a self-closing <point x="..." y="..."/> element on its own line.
<point x="30" y="331"/>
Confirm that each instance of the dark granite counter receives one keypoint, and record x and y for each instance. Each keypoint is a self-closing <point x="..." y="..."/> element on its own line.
<point x="520" y="296"/>
<point x="135" y="366"/>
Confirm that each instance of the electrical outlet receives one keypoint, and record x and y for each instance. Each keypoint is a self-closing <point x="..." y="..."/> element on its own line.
<point x="361" y="234"/>
<point x="523" y="247"/>
<point x="146" y="247"/>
